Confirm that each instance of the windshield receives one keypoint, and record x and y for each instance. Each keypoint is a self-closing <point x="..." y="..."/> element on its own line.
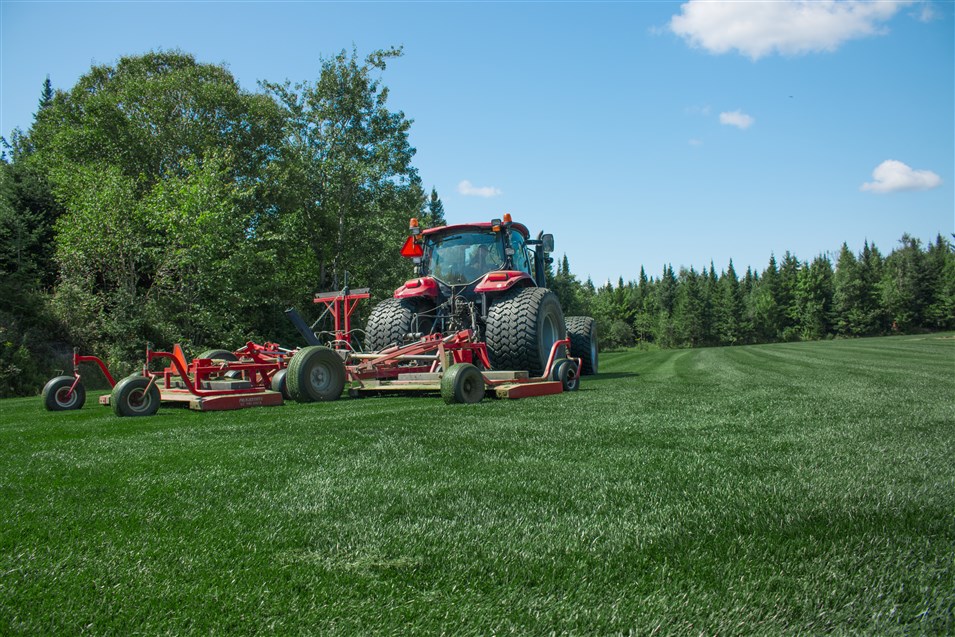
<point x="462" y="258"/>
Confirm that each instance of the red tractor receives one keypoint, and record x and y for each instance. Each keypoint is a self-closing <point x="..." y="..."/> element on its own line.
<point x="488" y="278"/>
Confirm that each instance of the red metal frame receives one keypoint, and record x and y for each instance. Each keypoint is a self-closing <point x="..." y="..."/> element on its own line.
<point x="341" y="305"/>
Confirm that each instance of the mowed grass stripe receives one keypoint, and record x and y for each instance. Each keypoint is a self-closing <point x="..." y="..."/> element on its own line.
<point x="786" y="488"/>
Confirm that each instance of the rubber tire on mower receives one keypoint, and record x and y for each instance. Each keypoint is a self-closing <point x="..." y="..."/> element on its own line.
<point x="55" y="390"/>
<point x="390" y="321"/>
<point x="315" y="373"/>
<point x="279" y="383"/>
<point x="130" y="398"/>
<point x="565" y="370"/>
<point x="219" y="355"/>
<point x="522" y="326"/>
<point x="462" y="383"/>
<point x="582" y="331"/>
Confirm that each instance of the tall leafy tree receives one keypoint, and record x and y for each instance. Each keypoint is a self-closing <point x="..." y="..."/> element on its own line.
<point x="126" y="150"/>
<point x="344" y="170"/>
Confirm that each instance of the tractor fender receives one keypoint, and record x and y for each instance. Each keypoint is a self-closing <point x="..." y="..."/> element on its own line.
<point x="503" y="280"/>
<point x="417" y="288"/>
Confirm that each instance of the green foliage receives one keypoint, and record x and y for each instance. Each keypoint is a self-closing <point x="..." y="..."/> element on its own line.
<point x="344" y="174"/>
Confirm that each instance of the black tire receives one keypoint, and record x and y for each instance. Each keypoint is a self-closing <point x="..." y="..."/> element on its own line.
<point x="315" y="373"/>
<point x="55" y="394"/>
<point x="219" y="355"/>
<point x="582" y="331"/>
<point x="278" y="383"/>
<point x="391" y="320"/>
<point x="131" y="398"/>
<point x="565" y="370"/>
<point x="462" y="383"/>
<point x="522" y="326"/>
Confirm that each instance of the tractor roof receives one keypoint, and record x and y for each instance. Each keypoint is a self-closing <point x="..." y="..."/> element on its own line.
<point x="470" y="227"/>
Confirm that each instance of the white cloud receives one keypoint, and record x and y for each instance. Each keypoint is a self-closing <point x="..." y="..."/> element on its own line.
<point x="788" y="27"/>
<point x="894" y="176"/>
<point x="739" y="119"/>
<point x="470" y="190"/>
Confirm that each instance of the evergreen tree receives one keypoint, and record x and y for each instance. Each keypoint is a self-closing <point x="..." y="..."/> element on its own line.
<point x="729" y="308"/>
<point x="814" y="298"/>
<point x="786" y="290"/>
<point x="665" y="332"/>
<point x="940" y="265"/>
<point x="905" y="285"/>
<point x="847" y="301"/>
<point x="689" y="316"/>
<point x="46" y="96"/>
<point x="767" y="315"/>
<point x="434" y="211"/>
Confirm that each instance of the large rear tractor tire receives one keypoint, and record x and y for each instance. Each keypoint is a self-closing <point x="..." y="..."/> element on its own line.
<point x="582" y="331"/>
<point x="522" y="327"/>
<point x="57" y="395"/>
<point x="391" y="321"/>
<point x="315" y="373"/>
<point x="462" y="383"/>
<point x="131" y="397"/>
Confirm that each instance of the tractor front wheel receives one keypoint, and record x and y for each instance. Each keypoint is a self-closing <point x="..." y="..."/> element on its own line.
<point x="582" y="331"/>
<point x="135" y="396"/>
<point x="58" y="397"/>
<point x="462" y="383"/>
<point x="391" y="320"/>
<point x="522" y="327"/>
<point x="315" y="373"/>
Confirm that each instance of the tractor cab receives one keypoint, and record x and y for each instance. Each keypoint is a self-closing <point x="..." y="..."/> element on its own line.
<point x="477" y="257"/>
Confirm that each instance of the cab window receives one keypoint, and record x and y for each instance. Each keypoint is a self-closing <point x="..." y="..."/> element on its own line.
<point x="520" y="253"/>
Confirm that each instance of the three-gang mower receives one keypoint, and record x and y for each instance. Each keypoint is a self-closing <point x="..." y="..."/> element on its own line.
<point x="476" y="319"/>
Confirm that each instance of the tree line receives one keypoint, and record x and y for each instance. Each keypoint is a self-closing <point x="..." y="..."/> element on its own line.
<point x="865" y="294"/>
<point x="158" y="202"/>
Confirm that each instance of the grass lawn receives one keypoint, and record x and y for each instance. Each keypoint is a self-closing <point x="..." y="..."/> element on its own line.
<point x="796" y="488"/>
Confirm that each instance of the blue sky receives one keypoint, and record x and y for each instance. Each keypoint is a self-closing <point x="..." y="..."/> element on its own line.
<point x="639" y="133"/>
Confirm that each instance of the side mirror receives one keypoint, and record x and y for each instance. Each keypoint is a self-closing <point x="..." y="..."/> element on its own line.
<point x="547" y="242"/>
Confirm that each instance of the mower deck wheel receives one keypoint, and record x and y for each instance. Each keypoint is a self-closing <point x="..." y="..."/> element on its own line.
<point x="462" y="383"/>
<point x="315" y="373"/>
<point x="57" y="396"/>
<point x="135" y="396"/>
<point x="565" y="370"/>
<point x="279" y="383"/>
<point x="219" y="355"/>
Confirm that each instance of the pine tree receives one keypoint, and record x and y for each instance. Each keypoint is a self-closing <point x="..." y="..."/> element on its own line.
<point x="847" y="302"/>
<point x="814" y="298"/>
<point x="729" y="308"/>
<point x="764" y="303"/>
<point x="905" y="285"/>
<point x="46" y="96"/>
<point x="940" y="266"/>
<point x="434" y="215"/>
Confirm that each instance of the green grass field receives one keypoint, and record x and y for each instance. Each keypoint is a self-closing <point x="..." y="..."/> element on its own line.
<point x="798" y="488"/>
